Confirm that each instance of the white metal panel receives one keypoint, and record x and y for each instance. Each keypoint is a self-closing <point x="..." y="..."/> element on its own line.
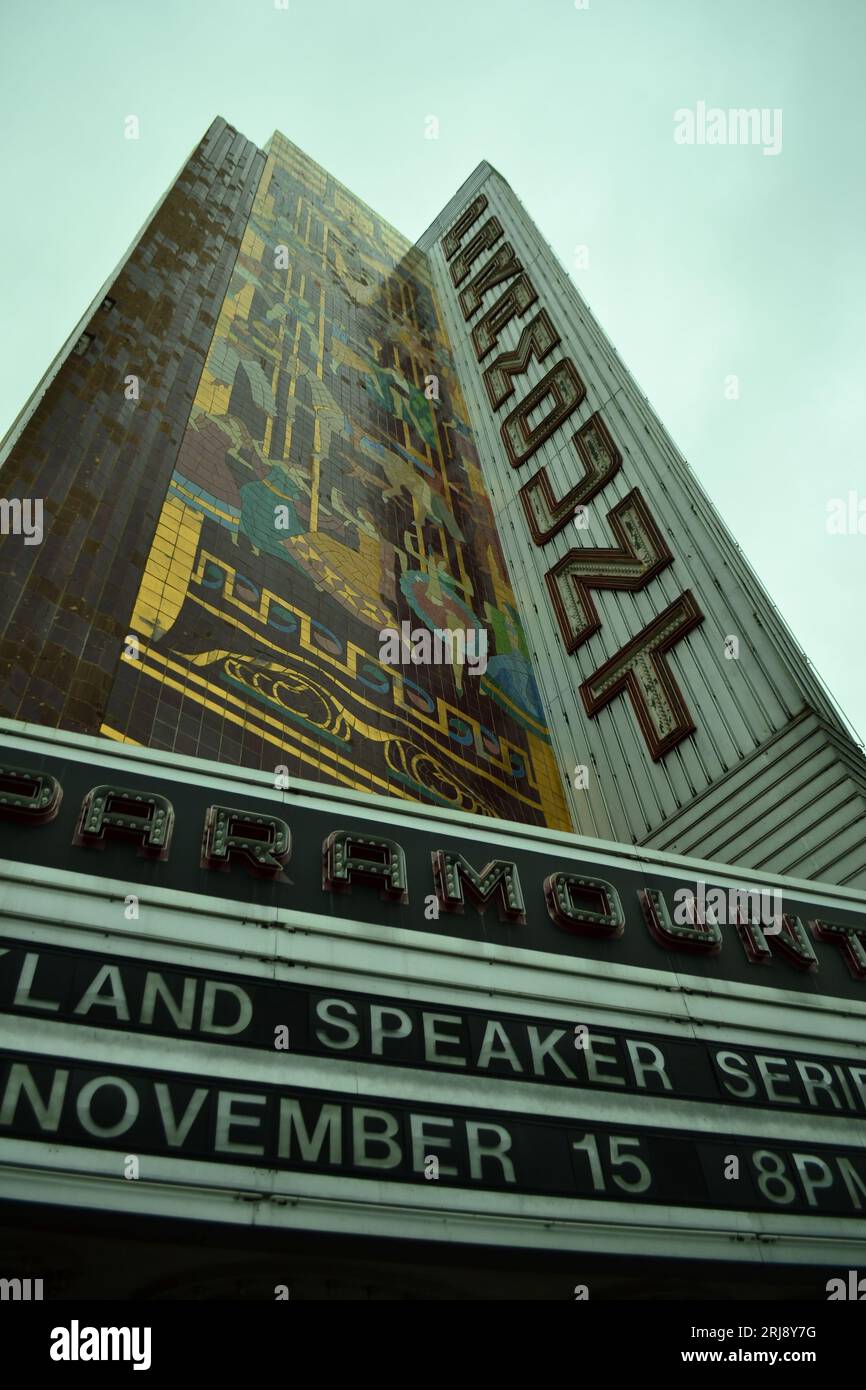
<point x="737" y="705"/>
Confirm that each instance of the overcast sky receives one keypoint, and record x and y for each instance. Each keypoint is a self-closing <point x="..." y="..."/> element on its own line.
<point x="705" y="262"/>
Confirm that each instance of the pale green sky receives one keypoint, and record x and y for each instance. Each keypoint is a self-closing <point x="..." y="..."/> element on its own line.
<point x="704" y="261"/>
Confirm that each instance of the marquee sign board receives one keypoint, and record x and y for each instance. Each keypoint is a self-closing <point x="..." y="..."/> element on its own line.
<point x="115" y="992"/>
<point x="265" y="909"/>
<point x="530" y="893"/>
<point x="67" y="1101"/>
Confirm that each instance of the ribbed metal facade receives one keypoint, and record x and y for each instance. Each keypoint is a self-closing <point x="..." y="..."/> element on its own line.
<point x="769" y="777"/>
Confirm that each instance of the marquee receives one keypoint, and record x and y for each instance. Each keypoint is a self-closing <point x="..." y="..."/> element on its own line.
<point x="542" y="897"/>
<point x="227" y="999"/>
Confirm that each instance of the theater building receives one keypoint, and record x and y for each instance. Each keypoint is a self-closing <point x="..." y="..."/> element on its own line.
<point x="431" y="868"/>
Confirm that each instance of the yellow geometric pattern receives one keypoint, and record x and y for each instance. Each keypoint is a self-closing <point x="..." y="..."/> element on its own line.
<point x="328" y="489"/>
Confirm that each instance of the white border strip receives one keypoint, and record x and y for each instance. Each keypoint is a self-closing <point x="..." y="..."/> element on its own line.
<point x="298" y="1201"/>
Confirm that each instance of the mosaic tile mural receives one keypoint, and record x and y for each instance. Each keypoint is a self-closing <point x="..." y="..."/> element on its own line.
<point x="326" y="488"/>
